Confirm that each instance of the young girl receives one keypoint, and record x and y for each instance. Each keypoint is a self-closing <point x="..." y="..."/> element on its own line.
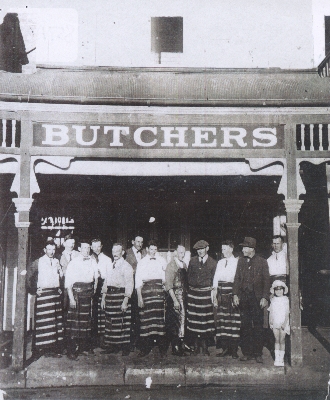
<point x="279" y="319"/>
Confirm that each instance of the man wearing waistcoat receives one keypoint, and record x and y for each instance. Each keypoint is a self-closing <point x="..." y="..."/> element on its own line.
<point x="250" y="294"/>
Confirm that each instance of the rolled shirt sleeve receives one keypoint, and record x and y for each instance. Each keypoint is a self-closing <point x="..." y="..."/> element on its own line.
<point x="129" y="279"/>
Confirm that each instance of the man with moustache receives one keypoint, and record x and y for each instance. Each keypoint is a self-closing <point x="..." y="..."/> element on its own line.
<point x="133" y="256"/>
<point x="104" y="263"/>
<point x="250" y="294"/>
<point x="81" y="275"/>
<point x="200" y="316"/>
<point x="228" y="320"/>
<point x="66" y="256"/>
<point x="116" y="293"/>
<point x="43" y="280"/>
<point x="278" y="261"/>
<point x="149" y="281"/>
<point x="278" y="270"/>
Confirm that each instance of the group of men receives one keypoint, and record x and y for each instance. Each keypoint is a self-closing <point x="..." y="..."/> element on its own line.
<point x="138" y="299"/>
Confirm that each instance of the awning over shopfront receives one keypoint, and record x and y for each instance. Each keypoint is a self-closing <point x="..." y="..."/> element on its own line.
<point x="168" y="87"/>
<point x="161" y="124"/>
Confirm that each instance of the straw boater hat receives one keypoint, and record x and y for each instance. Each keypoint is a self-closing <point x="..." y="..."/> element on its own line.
<point x="279" y="283"/>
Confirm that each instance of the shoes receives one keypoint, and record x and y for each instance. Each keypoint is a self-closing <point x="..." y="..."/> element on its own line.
<point x="195" y="351"/>
<point x="72" y="357"/>
<point x="205" y="352"/>
<point x="142" y="354"/>
<point x="53" y="355"/>
<point x="107" y="351"/>
<point x="87" y="353"/>
<point x="56" y="355"/>
<point x="246" y="358"/>
<point x="178" y="351"/>
<point x="224" y="353"/>
<point x="235" y="355"/>
<point x="259" y="359"/>
<point x="110" y="350"/>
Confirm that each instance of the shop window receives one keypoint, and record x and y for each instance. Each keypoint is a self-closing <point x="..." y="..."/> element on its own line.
<point x="327" y="34"/>
<point x="166" y="35"/>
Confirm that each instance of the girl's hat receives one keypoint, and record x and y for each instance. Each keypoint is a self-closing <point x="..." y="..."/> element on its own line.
<point x="278" y="283"/>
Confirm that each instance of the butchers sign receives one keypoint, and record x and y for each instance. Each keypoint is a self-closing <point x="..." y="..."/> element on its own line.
<point x="246" y="136"/>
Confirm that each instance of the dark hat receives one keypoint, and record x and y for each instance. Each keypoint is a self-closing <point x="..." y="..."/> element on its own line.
<point x="201" y="244"/>
<point x="249" y="242"/>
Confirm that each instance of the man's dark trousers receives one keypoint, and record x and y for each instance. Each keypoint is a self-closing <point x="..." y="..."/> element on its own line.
<point x="252" y="324"/>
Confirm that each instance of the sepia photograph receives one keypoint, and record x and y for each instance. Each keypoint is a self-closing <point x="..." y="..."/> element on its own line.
<point x="165" y="199"/>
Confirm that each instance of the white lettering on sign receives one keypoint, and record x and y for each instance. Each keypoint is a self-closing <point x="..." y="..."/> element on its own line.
<point x="169" y="135"/>
<point x="202" y="137"/>
<point x="269" y="138"/>
<point x="159" y="137"/>
<point x="56" y="131"/>
<point x="138" y="133"/>
<point x="79" y="134"/>
<point x="116" y="132"/>
<point x="230" y="134"/>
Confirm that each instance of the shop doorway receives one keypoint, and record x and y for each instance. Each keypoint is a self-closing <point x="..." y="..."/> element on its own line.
<point x="172" y="210"/>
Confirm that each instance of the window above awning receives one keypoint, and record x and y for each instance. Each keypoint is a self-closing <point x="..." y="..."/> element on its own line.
<point x="168" y="87"/>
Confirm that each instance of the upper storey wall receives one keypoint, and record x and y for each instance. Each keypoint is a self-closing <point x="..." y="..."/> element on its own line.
<point x="216" y="33"/>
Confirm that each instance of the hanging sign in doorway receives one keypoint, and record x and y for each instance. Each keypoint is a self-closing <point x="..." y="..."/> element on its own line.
<point x="158" y="137"/>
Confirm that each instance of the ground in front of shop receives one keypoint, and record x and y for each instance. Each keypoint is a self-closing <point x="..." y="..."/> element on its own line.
<point x="172" y="372"/>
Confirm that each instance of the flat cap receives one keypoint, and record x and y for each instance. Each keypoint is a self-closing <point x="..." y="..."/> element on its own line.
<point x="201" y="244"/>
<point x="249" y="242"/>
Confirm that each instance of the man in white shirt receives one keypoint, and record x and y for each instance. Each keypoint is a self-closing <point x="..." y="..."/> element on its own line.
<point x="228" y="321"/>
<point x="278" y="261"/>
<point x="43" y="280"/>
<point x="133" y="256"/>
<point x="116" y="293"/>
<point x="278" y="270"/>
<point x="103" y="263"/>
<point x="67" y="255"/>
<point x="149" y="281"/>
<point x="81" y="275"/>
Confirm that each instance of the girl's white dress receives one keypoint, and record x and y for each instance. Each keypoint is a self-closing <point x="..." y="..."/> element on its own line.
<point x="278" y="310"/>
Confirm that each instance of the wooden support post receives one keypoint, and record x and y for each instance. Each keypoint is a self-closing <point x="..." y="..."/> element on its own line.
<point x="293" y="208"/>
<point x="293" y="205"/>
<point x="328" y="232"/>
<point x="22" y="221"/>
<point x="19" y="339"/>
<point x="23" y="206"/>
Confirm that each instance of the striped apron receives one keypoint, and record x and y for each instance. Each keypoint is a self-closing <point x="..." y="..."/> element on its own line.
<point x="48" y="319"/>
<point x="100" y="318"/>
<point x="200" y="316"/>
<point x="79" y="320"/>
<point x="228" y="320"/>
<point x="117" y="322"/>
<point x="152" y="316"/>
